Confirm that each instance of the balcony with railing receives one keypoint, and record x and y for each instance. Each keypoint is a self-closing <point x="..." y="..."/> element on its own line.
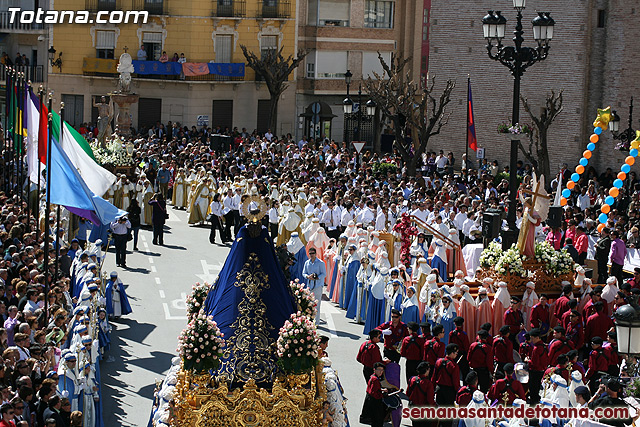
<point x="94" y="6"/>
<point x="16" y="26"/>
<point x="229" y="9"/>
<point x="154" y="7"/>
<point x="33" y="73"/>
<point x="156" y="70"/>
<point x="274" y="9"/>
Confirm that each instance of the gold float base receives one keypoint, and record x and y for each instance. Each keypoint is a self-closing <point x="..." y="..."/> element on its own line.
<point x="545" y="282"/>
<point x="294" y="401"/>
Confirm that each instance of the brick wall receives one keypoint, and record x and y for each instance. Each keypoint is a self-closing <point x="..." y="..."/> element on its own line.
<point x="457" y="49"/>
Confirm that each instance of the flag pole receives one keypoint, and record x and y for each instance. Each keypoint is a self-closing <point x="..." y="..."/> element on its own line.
<point x="37" y="215"/>
<point x="16" y="140"/>
<point x="27" y="93"/>
<point x="5" y="130"/>
<point x="58" y="213"/>
<point x="16" y="77"/>
<point x="467" y="133"/>
<point x="47" y="210"/>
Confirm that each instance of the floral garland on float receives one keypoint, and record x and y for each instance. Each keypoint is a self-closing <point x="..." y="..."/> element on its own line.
<point x="297" y="345"/>
<point x="196" y="300"/>
<point x="200" y="344"/>
<point x="548" y="267"/>
<point x="405" y="232"/>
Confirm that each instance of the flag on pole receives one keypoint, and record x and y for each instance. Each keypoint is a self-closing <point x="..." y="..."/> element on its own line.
<point x="33" y="128"/>
<point x="472" y="141"/>
<point x="43" y="130"/>
<point x="77" y="149"/>
<point x="68" y="189"/>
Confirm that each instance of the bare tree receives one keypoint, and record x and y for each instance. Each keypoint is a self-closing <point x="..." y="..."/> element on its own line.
<point x="412" y="107"/>
<point x="538" y="152"/>
<point x="274" y="70"/>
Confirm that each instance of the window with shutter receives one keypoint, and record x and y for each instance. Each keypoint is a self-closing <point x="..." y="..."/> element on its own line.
<point x="223" y="48"/>
<point x="105" y="44"/>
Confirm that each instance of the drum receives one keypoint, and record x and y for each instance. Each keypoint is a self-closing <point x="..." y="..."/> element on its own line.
<point x="522" y="374"/>
<point x="392" y="402"/>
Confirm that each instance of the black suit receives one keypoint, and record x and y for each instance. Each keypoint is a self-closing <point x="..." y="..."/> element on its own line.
<point x="53" y="413"/>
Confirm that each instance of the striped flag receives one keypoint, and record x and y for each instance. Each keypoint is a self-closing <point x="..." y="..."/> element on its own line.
<point x="472" y="141"/>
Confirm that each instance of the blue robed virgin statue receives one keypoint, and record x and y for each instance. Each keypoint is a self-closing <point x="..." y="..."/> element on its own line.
<point x="250" y="302"/>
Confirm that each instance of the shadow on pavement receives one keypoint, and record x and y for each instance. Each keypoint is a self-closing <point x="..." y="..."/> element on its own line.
<point x="114" y="391"/>
<point x="182" y="248"/>
<point x="341" y="333"/>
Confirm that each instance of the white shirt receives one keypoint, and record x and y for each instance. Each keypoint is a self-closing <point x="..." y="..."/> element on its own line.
<point x="273" y="216"/>
<point x="583" y="201"/>
<point x="346" y="217"/>
<point x="228" y="205"/>
<point x="216" y="208"/>
<point x="332" y="218"/>
<point x="421" y="214"/>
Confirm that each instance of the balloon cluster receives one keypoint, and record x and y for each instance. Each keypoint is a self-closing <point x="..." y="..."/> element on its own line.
<point x="618" y="182"/>
<point x="601" y="123"/>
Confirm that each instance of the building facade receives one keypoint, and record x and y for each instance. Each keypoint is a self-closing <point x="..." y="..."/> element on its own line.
<point x="341" y="35"/>
<point x="590" y="59"/>
<point x="205" y="31"/>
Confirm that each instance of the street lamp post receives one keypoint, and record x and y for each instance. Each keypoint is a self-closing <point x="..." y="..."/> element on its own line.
<point x="626" y="136"/>
<point x="348" y="109"/>
<point x="347" y="80"/>
<point x="517" y="59"/>
<point x="627" y="320"/>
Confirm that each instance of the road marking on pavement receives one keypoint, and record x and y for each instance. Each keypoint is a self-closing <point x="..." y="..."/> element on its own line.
<point x="144" y="239"/>
<point x="328" y="310"/>
<point x="162" y="295"/>
<point x="180" y="304"/>
<point x="210" y="271"/>
<point x="157" y="280"/>
<point x="150" y="260"/>
<point x="153" y="269"/>
<point x="168" y="316"/>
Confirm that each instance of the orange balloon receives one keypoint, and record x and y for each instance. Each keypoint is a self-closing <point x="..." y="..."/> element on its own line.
<point x="587" y="154"/>
<point x="571" y="185"/>
<point x="600" y="227"/>
<point x="563" y="201"/>
<point x="613" y="192"/>
<point x="630" y="160"/>
<point x="594" y="138"/>
<point x="605" y="209"/>
<point x="580" y="169"/>
<point x="622" y="176"/>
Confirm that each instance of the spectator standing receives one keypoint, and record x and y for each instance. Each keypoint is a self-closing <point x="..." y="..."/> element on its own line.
<point x="142" y="54"/>
<point x="134" y="218"/>
<point x="120" y="229"/>
<point x="158" y="218"/>
<point x="164" y="175"/>
<point x="618" y="254"/>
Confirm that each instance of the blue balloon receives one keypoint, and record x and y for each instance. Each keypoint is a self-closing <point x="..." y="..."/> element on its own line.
<point x="603" y="218"/>
<point x="584" y="162"/>
<point x="617" y="183"/>
<point x="625" y="168"/>
<point x="591" y="146"/>
<point x="566" y="193"/>
<point x="575" y="177"/>
<point x="609" y="200"/>
<point x="633" y="152"/>
<point x="597" y="130"/>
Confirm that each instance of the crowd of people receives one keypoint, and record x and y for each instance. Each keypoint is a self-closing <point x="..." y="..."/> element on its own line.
<point x="322" y="207"/>
<point x="55" y="313"/>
